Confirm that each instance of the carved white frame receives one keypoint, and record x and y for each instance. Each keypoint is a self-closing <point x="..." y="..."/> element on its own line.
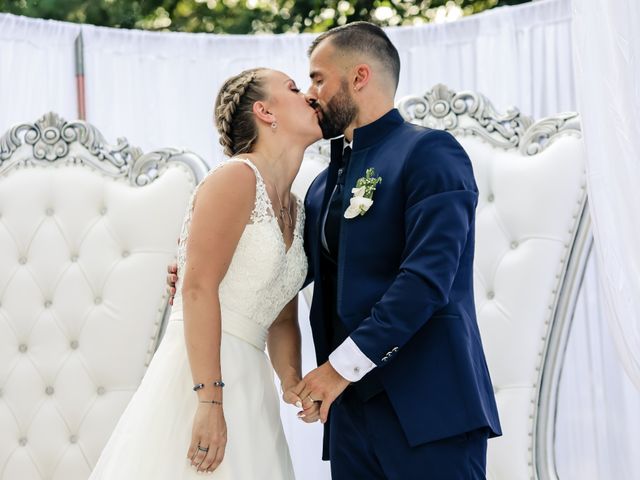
<point x="52" y="140"/>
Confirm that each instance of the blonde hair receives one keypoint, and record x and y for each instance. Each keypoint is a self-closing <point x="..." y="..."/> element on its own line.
<point x="234" y="111"/>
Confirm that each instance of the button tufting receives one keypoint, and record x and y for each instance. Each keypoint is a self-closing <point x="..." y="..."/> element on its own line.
<point x="103" y="211"/>
<point x="491" y="198"/>
<point x="100" y="390"/>
<point x="49" y="211"/>
<point x="47" y="304"/>
<point x="22" y="441"/>
<point x="74" y="258"/>
<point x="22" y="348"/>
<point x="73" y="439"/>
<point x="74" y="344"/>
<point x="22" y="260"/>
<point x="491" y="295"/>
<point x="125" y="254"/>
<point x="514" y="245"/>
<point x="97" y="300"/>
<point x="49" y="390"/>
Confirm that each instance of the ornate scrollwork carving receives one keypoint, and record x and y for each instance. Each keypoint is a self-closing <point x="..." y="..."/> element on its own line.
<point x="54" y="139"/>
<point x="471" y="113"/>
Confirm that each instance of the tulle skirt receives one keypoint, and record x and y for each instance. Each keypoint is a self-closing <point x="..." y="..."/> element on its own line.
<point x="151" y="439"/>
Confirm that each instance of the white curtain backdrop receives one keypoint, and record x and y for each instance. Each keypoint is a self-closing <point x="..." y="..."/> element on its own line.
<point x="158" y="89"/>
<point x="607" y="59"/>
<point x="598" y="405"/>
<point x="36" y="69"/>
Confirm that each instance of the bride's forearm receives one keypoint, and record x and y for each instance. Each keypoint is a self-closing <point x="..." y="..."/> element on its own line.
<point x="283" y="343"/>
<point x="202" y="330"/>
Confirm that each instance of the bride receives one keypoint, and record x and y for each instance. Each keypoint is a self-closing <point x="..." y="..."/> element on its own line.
<point x="208" y="402"/>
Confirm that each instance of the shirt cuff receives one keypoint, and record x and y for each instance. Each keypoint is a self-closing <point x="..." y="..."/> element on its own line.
<point x="349" y="361"/>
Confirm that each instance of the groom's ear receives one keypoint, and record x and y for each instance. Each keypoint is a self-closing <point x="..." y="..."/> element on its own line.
<point x="361" y="76"/>
<point x="262" y="113"/>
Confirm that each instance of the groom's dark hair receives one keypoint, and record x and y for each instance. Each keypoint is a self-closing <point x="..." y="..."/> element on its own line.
<point x="366" y="38"/>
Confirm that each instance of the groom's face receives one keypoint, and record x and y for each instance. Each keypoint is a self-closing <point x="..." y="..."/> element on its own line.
<point x="329" y="92"/>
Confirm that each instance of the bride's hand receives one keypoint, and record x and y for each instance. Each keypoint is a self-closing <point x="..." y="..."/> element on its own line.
<point x="208" y="438"/>
<point x="310" y="410"/>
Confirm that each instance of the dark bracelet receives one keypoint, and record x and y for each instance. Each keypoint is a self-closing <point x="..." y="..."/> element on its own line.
<point x="215" y="402"/>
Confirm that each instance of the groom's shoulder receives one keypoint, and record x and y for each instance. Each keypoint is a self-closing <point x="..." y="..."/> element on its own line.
<point x="315" y="186"/>
<point x="435" y="153"/>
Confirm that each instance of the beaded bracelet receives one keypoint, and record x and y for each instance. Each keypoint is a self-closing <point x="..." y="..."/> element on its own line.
<point x="215" y="402"/>
<point x="200" y="386"/>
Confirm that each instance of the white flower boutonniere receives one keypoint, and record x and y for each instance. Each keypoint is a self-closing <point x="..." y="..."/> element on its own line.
<point x="363" y="194"/>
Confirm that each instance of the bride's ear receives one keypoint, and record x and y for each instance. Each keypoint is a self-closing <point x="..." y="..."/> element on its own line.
<point x="262" y="113"/>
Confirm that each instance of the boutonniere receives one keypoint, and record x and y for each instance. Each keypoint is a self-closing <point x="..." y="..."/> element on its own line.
<point x="362" y="198"/>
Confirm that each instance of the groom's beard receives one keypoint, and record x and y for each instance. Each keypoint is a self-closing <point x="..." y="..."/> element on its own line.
<point x="338" y="114"/>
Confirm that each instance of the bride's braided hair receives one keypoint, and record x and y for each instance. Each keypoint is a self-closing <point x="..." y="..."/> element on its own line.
<point x="234" y="111"/>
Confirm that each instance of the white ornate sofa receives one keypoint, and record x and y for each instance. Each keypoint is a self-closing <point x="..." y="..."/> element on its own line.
<point x="532" y="240"/>
<point x="86" y="232"/>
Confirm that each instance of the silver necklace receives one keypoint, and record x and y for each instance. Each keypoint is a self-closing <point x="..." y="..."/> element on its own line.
<point x="284" y="211"/>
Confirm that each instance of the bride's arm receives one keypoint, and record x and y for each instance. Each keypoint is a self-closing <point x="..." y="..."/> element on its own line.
<point x="283" y="343"/>
<point x="221" y="210"/>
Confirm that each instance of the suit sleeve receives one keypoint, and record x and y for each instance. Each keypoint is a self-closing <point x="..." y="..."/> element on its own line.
<point x="440" y="201"/>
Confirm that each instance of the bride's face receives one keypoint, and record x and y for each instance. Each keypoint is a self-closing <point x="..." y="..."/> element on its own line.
<point x="290" y="108"/>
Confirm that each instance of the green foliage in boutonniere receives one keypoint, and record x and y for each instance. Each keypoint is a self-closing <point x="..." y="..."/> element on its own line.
<point x="363" y="194"/>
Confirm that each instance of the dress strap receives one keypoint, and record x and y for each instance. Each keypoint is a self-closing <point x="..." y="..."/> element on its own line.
<point x="262" y="210"/>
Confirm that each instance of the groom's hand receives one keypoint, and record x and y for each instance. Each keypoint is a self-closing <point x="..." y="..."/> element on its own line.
<point x="324" y="385"/>
<point x="291" y="394"/>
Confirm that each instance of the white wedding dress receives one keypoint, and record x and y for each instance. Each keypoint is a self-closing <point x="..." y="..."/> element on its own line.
<point x="151" y="439"/>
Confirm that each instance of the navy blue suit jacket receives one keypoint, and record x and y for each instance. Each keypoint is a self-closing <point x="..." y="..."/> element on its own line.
<point x="405" y="276"/>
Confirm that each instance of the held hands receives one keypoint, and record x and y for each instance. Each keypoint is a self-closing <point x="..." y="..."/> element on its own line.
<point x="310" y="410"/>
<point x="321" y="386"/>
<point x="208" y="438"/>
<point x="172" y="279"/>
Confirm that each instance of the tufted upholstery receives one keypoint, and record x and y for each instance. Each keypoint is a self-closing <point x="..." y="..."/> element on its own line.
<point x="86" y="232"/>
<point x="529" y="237"/>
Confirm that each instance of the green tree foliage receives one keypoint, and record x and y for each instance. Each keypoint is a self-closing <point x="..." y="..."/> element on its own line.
<point x="246" y="16"/>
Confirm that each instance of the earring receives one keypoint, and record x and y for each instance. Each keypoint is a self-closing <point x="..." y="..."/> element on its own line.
<point x="274" y="125"/>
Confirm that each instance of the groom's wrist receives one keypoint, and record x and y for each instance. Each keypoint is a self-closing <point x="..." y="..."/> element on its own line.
<point x="349" y="361"/>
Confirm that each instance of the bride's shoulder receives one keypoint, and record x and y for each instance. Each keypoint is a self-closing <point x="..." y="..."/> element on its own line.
<point x="228" y="183"/>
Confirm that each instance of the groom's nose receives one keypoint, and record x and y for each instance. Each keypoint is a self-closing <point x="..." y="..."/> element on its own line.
<point x="311" y="100"/>
<point x="310" y="97"/>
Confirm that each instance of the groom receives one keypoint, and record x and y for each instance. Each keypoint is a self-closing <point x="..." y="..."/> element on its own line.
<point x="402" y="371"/>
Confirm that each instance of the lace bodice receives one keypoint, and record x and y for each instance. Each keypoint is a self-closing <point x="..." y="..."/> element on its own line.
<point x="262" y="277"/>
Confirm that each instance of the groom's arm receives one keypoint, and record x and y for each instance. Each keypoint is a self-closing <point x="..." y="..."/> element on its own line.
<point x="441" y="197"/>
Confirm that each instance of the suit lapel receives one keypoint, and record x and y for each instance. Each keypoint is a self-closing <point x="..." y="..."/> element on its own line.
<point x="354" y="171"/>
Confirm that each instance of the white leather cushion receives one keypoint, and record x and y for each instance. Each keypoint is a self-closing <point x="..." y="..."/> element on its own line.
<point x="82" y="277"/>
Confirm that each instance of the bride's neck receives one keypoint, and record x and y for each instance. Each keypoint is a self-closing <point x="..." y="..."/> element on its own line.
<point x="278" y="165"/>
